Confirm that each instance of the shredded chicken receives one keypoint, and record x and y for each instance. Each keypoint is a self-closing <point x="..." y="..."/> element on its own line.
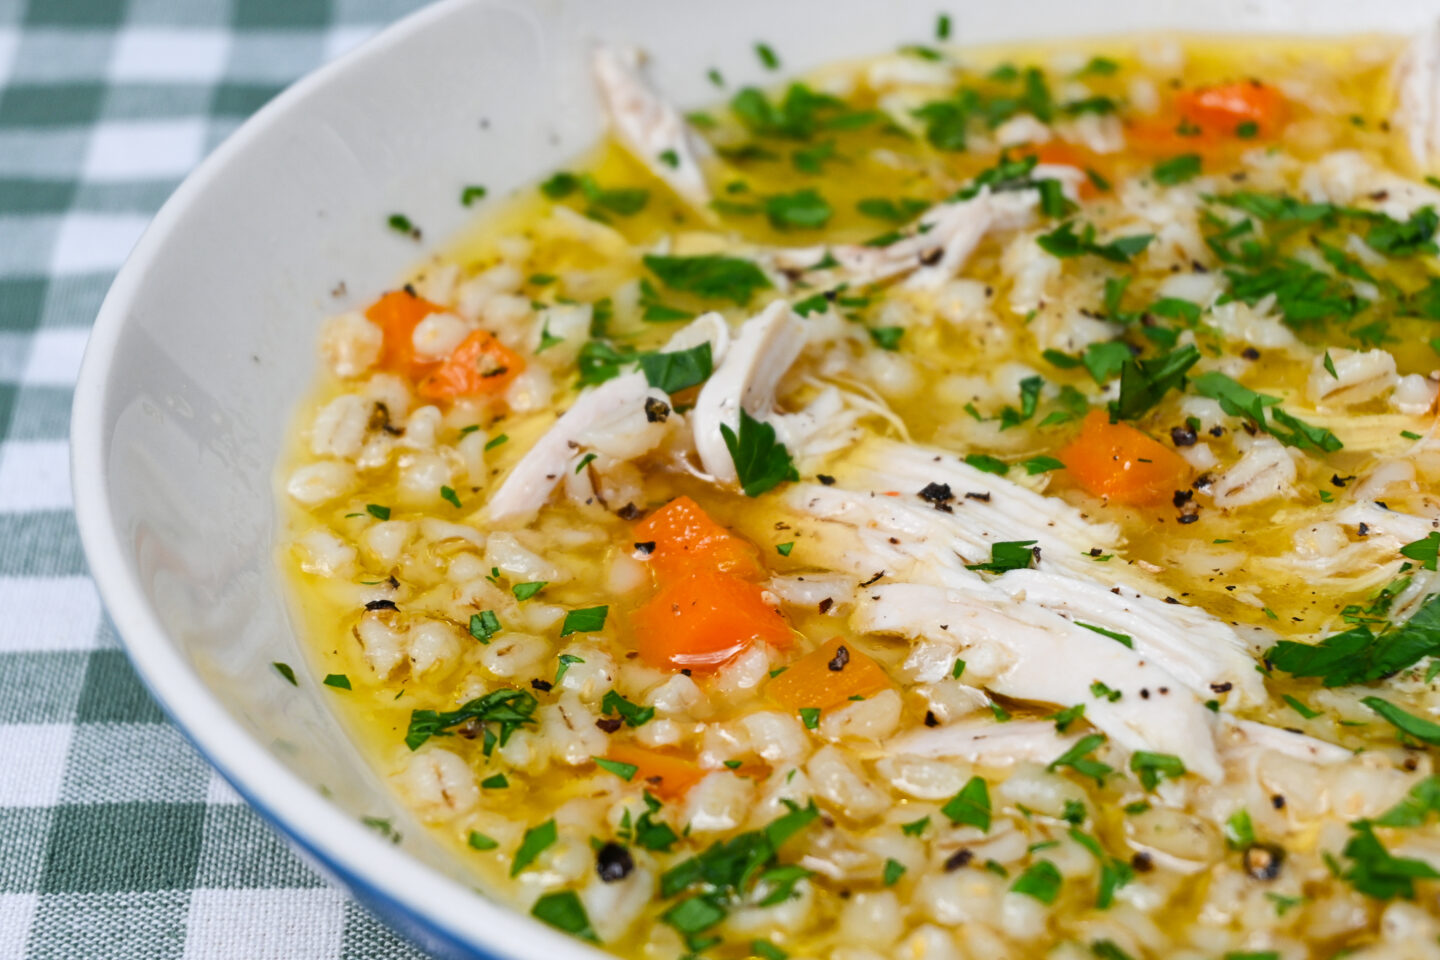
<point x="651" y="129"/>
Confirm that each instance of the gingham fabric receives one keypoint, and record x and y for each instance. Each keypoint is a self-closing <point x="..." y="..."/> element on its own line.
<point x="116" y="839"/>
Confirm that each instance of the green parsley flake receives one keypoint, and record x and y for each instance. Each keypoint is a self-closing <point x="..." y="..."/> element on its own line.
<point x="564" y="911"/>
<point x="337" y="680"/>
<point x="524" y="591"/>
<point x="285" y="670"/>
<point x="535" y="842"/>
<point x="479" y="841"/>
<point x="587" y="620"/>
<point x="377" y="511"/>
<point x="761" y="462"/>
<point x="484" y="625"/>
<point x="810" y="716"/>
<point x="1040" y="880"/>
<point x="971" y="806"/>
<point x="625" y="771"/>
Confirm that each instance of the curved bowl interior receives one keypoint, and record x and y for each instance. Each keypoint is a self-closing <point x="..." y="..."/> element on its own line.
<point x="206" y="343"/>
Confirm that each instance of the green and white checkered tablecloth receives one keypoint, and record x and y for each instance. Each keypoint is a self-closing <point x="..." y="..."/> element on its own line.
<point x="116" y="840"/>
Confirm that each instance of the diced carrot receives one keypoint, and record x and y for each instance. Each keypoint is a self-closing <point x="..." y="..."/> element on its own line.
<point x="481" y="364"/>
<point x="397" y="314"/>
<point x="703" y="620"/>
<point x="663" y="774"/>
<point x="1222" y="108"/>
<point x="1068" y="155"/>
<point x="826" y="678"/>
<point x="1116" y="461"/>
<point x="687" y="539"/>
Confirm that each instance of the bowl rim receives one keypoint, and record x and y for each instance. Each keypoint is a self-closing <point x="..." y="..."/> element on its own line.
<point x="469" y="920"/>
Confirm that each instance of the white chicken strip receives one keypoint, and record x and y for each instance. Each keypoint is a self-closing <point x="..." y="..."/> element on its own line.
<point x="933" y="250"/>
<point x="607" y="409"/>
<point x="758" y="357"/>
<point x="1052" y="660"/>
<point x="1197" y="649"/>
<point x="1417" y="92"/>
<point x="991" y="744"/>
<point x="649" y="127"/>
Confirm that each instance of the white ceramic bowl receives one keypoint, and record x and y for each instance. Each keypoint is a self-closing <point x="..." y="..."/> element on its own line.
<point x="207" y="341"/>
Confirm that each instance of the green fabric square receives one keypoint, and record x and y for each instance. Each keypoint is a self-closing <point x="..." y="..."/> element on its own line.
<point x="70" y="301"/>
<point x="242" y="852"/>
<point x="110" y="925"/>
<point x="119" y="847"/>
<point x="130" y="196"/>
<point x="21" y="301"/>
<point x="24" y="830"/>
<point x="241" y="99"/>
<point x="75" y="13"/>
<point x="41" y="544"/>
<point x="26" y="196"/>
<point x="133" y="763"/>
<point x="39" y="413"/>
<point x="114" y="694"/>
<point x="151" y="101"/>
<point x="367" y="938"/>
<point x="50" y="105"/>
<point x="260" y="14"/>
<point x="41" y="686"/>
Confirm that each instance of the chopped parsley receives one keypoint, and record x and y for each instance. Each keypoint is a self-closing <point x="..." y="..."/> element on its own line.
<point x="711" y="277"/>
<point x="804" y="209"/>
<point x="1177" y="169"/>
<point x="767" y="56"/>
<point x="524" y="591"/>
<point x="1375" y="872"/>
<point x="1424" y="552"/>
<point x="449" y="495"/>
<point x="625" y="771"/>
<point x="987" y="464"/>
<point x="892" y="873"/>
<point x="1360" y="655"/>
<point x="479" y="841"/>
<point x="484" y="625"/>
<point x="886" y="338"/>
<point x="472" y="193"/>
<point x="1006" y="555"/>
<point x="564" y="911"/>
<point x="1041" y="464"/>
<point x="383" y="513"/>
<point x="1078" y="758"/>
<point x="1064" y="242"/>
<point x="586" y="620"/>
<point x="1121" y="638"/>
<point x="509" y="710"/>
<point x="971" y="806"/>
<point x="286" y="671"/>
<point x="1150" y="767"/>
<point x="784" y="548"/>
<point x="337" y="680"/>
<point x="1040" y="880"/>
<point x="1425" y="731"/>
<point x="810" y="716"/>
<point x="567" y="660"/>
<point x="632" y="713"/>
<point x="761" y="462"/>
<point x="1240" y="401"/>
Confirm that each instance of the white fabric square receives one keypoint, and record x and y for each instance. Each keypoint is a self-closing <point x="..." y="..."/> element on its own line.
<point x="95" y="243"/>
<point x="35" y="475"/>
<point x="9" y="42"/>
<point x="218" y="792"/>
<point x="157" y="54"/>
<point x="340" y="40"/>
<point x="144" y="150"/>
<point x="55" y="356"/>
<point x="47" y="614"/>
<point x="34" y="763"/>
<point x="17" y="913"/>
<point x="222" y="924"/>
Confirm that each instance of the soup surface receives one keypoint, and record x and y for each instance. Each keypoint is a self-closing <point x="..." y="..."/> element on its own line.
<point x="966" y="503"/>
